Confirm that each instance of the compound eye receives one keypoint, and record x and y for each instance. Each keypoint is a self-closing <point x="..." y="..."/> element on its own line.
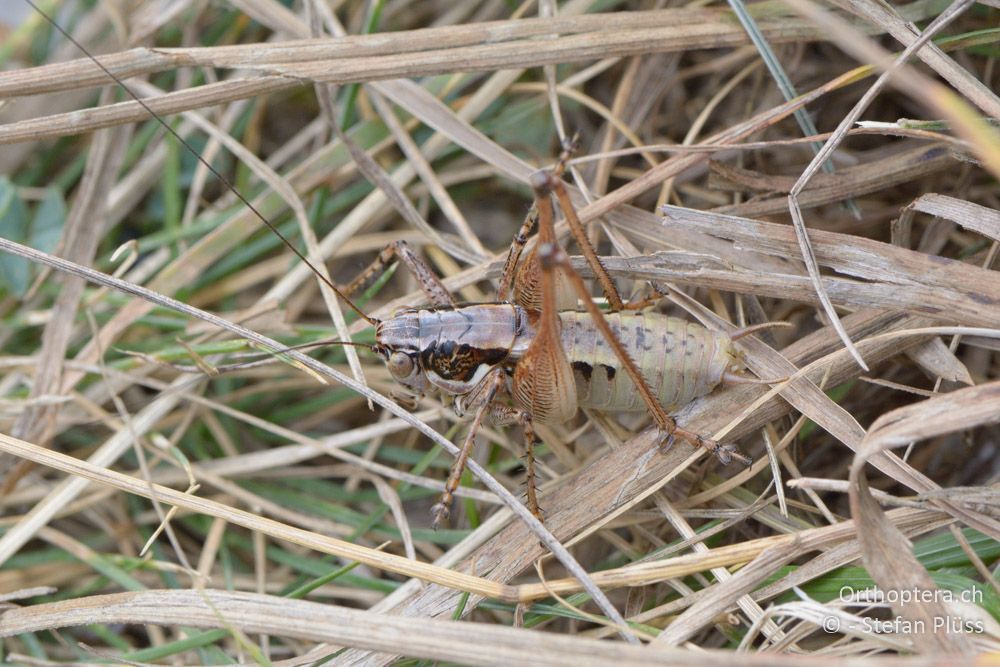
<point x="400" y="365"/>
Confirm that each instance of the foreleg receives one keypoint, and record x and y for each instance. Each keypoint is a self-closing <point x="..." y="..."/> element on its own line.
<point x="490" y="385"/>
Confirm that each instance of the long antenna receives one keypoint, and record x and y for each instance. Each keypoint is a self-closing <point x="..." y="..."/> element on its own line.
<point x="205" y="162"/>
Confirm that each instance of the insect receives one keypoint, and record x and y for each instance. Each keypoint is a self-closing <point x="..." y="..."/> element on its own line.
<point x="524" y="359"/>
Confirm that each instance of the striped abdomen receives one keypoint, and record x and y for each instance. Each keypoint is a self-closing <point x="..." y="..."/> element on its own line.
<point x="679" y="359"/>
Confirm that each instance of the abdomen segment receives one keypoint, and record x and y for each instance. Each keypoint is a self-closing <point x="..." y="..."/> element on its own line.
<point x="680" y="360"/>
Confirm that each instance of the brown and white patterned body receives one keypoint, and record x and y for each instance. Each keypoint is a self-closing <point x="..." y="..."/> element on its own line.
<point x="453" y="349"/>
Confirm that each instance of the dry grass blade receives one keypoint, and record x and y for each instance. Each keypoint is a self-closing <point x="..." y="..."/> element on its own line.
<point x="887" y="553"/>
<point x="892" y="277"/>
<point x="499" y="45"/>
<point x="350" y="125"/>
<point x="649" y="572"/>
<point x="430" y="639"/>
<point x="972" y="216"/>
<point x="672" y="31"/>
<point x="892" y="171"/>
<point x="984" y="139"/>
<point x="346" y="550"/>
<point x="794" y="206"/>
<point x="79" y="245"/>
<point x="896" y="25"/>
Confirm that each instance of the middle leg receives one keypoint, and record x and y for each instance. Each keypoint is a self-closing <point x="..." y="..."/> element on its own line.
<point x="505" y="414"/>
